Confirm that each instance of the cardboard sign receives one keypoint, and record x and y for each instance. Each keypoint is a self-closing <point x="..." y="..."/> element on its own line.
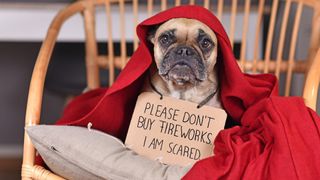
<point x="173" y="131"/>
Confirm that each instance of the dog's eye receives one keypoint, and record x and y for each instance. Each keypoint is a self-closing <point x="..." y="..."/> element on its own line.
<point x="164" y="39"/>
<point x="206" y="43"/>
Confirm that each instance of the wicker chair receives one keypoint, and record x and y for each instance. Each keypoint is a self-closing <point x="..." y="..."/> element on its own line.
<point x="261" y="62"/>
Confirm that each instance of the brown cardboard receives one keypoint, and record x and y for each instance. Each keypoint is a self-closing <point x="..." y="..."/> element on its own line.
<point x="173" y="131"/>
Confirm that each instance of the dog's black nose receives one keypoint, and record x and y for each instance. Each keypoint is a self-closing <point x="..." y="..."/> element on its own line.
<point x="184" y="51"/>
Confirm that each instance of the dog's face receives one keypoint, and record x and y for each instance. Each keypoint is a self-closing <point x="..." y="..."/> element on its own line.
<point x="185" y="51"/>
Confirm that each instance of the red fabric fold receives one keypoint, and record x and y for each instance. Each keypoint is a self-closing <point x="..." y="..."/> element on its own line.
<point x="278" y="137"/>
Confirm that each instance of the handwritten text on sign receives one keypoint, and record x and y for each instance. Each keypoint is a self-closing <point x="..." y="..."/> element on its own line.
<point x="172" y="130"/>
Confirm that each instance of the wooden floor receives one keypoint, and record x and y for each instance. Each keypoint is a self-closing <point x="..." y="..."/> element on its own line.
<point x="10" y="168"/>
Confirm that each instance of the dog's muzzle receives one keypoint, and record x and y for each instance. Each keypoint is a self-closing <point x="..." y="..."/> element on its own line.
<point x="183" y="64"/>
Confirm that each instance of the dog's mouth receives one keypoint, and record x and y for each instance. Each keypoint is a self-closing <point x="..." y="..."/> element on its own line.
<point x="181" y="73"/>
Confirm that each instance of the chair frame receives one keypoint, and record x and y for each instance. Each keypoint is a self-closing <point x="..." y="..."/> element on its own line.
<point x="94" y="62"/>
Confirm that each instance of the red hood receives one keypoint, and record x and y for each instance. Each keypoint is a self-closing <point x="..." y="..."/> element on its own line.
<point x="235" y="86"/>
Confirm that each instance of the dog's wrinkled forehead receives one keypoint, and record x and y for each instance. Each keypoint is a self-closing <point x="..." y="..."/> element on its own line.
<point x="185" y="30"/>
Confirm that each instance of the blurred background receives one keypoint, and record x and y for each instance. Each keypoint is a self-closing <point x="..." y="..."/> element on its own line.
<point x="23" y="27"/>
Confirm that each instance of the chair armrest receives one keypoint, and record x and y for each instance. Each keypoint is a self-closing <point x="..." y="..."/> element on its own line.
<point x="311" y="87"/>
<point x="35" y="95"/>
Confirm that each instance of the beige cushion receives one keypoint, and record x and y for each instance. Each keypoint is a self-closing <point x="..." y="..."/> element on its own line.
<point x="78" y="153"/>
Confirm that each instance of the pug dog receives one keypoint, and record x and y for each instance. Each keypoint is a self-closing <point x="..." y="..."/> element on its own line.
<point x="185" y="54"/>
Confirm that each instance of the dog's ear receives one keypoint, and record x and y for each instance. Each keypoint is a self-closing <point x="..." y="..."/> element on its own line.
<point x="151" y="33"/>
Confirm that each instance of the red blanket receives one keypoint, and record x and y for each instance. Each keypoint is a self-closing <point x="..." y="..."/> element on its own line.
<point x="278" y="137"/>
